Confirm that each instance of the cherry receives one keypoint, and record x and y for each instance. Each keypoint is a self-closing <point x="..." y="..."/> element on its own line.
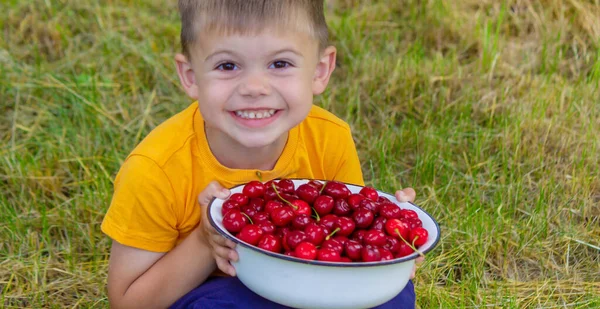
<point x="328" y="255"/>
<point x="354" y="200"/>
<point x="341" y="239"/>
<point x="382" y="199"/>
<point x="403" y="249"/>
<point x="353" y="249"/>
<point x="316" y="234"/>
<point x="369" y="205"/>
<point x="390" y="211"/>
<point x="260" y="216"/>
<point x="301" y="207"/>
<point x="336" y="189"/>
<point x="323" y="205"/>
<point x="240" y="198"/>
<point x="409" y="214"/>
<point x="282" y="216"/>
<point x="257" y="203"/>
<point x="294" y="238"/>
<point x="281" y="232"/>
<point x="341" y="207"/>
<point x="329" y="221"/>
<point x="414" y="223"/>
<point x="229" y="205"/>
<point x="346" y="226"/>
<point x="286" y="185"/>
<point x="359" y="235"/>
<point x="306" y="250"/>
<point x="345" y="259"/>
<point x="418" y="236"/>
<point x="332" y="244"/>
<point x="272" y="205"/>
<point x="363" y="218"/>
<point x="315" y="184"/>
<point x="290" y="253"/>
<point x="287" y="197"/>
<point x="271" y="243"/>
<point x="369" y="193"/>
<point x="249" y="210"/>
<point x="397" y="228"/>
<point x="307" y="193"/>
<point x="374" y="238"/>
<point x="370" y="254"/>
<point x="254" y="189"/>
<point x="234" y="221"/>
<point x="392" y="244"/>
<point x="301" y="221"/>
<point x="251" y="234"/>
<point x="270" y="194"/>
<point x="267" y="226"/>
<point x="378" y="223"/>
<point x="386" y="255"/>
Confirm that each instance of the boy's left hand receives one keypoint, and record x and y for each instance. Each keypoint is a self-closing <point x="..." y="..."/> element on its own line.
<point x="408" y="195"/>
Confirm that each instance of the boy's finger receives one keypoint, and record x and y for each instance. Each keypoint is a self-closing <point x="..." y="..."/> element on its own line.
<point x="225" y="267"/>
<point x="406" y="195"/>
<point x="212" y="190"/>
<point x="225" y="253"/>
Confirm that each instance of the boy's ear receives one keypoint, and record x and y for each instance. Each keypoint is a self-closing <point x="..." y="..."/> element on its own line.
<point x="187" y="76"/>
<point x="325" y="67"/>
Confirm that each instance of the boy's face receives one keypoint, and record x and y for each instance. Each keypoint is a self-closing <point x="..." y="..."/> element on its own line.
<point x="252" y="89"/>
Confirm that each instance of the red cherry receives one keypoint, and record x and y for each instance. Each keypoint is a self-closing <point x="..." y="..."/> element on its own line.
<point x="323" y="205"/>
<point x="294" y="238"/>
<point x="307" y="193"/>
<point x="354" y="200"/>
<point x="270" y="194"/>
<point x="390" y="211"/>
<point x="392" y="244"/>
<point x="369" y="193"/>
<point x="251" y="234"/>
<point x="249" y="210"/>
<point x="240" y="198"/>
<point x="341" y="207"/>
<point x="374" y="238"/>
<point x="328" y="255"/>
<point x="383" y="199"/>
<point x="229" y="205"/>
<point x="359" y="235"/>
<point x="333" y="244"/>
<point x="409" y="214"/>
<point x="281" y="232"/>
<point x="286" y="185"/>
<point x="386" y="255"/>
<point x="282" y="216"/>
<point x="403" y="250"/>
<point x="301" y="221"/>
<point x="301" y="207"/>
<point x="260" y="217"/>
<point x="328" y="222"/>
<point x="363" y="218"/>
<point x="271" y="243"/>
<point x="370" y="254"/>
<point x="254" y="189"/>
<point x="346" y="226"/>
<point x="306" y="250"/>
<point x="393" y="227"/>
<point x="234" y="221"/>
<point x="336" y="190"/>
<point x="341" y="239"/>
<point x="315" y="184"/>
<point x="290" y="253"/>
<point x="272" y="205"/>
<point x="353" y="249"/>
<point x="418" y="236"/>
<point x="257" y="203"/>
<point x="378" y="223"/>
<point x="414" y="223"/>
<point x="316" y="234"/>
<point x="267" y="226"/>
<point x="369" y="205"/>
<point x="345" y="259"/>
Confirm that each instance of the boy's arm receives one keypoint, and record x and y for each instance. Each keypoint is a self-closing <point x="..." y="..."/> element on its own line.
<point x="143" y="279"/>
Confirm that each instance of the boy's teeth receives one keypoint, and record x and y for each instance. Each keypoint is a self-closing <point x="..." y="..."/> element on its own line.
<point x="255" y="114"/>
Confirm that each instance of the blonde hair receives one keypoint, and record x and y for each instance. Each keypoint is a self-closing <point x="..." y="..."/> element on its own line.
<point x="249" y="17"/>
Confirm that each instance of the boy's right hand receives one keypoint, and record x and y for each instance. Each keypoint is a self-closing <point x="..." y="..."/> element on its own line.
<point x="223" y="249"/>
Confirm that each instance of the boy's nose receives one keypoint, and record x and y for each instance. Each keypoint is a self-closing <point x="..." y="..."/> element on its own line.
<point x="255" y="85"/>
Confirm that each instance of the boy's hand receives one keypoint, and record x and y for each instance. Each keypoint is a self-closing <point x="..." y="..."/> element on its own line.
<point x="408" y="195"/>
<point x="222" y="248"/>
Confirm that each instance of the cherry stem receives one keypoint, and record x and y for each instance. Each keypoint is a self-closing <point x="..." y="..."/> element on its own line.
<point x="259" y="175"/>
<point x="323" y="187"/>
<point x="316" y="216"/>
<point x="332" y="233"/>
<point x="409" y="244"/>
<point x="281" y="197"/>
<point x="250" y="219"/>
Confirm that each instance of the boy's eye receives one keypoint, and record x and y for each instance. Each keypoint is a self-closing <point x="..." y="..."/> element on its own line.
<point x="227" y="66"/>
<point x="280" y="65"/>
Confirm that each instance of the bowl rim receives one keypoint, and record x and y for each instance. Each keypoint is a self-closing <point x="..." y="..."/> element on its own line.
<point x="317" y="262"/>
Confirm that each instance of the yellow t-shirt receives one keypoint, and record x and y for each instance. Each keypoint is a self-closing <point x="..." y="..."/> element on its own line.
<point x="154" y="206"/>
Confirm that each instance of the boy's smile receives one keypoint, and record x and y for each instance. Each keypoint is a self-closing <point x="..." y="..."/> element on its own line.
<point x="252" y="89"/>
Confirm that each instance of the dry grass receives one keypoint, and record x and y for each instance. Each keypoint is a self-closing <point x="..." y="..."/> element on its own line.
<point x="490" y="109"/>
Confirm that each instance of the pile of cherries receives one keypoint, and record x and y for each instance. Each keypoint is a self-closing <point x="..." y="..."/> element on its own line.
<point x="322" y="221"/>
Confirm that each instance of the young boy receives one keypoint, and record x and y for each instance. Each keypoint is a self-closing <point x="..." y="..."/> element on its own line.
<point x="252" y="66"/>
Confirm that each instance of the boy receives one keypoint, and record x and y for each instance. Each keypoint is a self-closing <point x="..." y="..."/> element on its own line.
<point x="252" y="66"/>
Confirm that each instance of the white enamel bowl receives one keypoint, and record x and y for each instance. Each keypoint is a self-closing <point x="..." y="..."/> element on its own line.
<point x="300" y="283"/>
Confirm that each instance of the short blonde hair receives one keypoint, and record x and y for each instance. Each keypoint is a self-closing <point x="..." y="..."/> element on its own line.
<point x="249" y="16"/>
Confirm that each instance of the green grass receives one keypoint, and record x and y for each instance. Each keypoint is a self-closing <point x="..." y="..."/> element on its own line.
<point x="489" y="109"/>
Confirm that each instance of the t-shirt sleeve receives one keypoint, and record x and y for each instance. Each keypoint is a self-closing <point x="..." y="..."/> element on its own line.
<point x="141" y="211"/>
<point x="348" y="167"/>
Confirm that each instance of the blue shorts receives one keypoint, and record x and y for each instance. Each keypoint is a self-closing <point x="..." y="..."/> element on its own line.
<point x="230" y="293"/>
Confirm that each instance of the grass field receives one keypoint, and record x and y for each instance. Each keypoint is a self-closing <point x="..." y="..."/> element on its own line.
<point x="489" y="109"/>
